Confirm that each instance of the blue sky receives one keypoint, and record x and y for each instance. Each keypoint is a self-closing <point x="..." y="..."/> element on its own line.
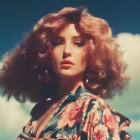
<point x="17" y="18"/>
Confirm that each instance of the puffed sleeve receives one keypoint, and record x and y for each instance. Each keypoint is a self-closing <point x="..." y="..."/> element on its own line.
<point x="101" y="122"/>
<point x="28" y="132"/>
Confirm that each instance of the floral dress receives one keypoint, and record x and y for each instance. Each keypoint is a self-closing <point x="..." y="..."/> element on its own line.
<point x="79" y="116"/>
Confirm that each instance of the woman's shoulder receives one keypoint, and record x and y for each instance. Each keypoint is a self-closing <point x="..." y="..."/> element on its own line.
<point x="98" y="108"/>
<point x="100" y="104"/>
<point x="92" y="98"/>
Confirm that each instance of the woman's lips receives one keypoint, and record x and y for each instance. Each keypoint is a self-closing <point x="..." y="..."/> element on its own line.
<point x="66" y="64"/>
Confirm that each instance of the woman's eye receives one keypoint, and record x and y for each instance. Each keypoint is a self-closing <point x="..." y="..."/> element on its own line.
<point x="79" y="43"/>
<point x="57" y="42"/>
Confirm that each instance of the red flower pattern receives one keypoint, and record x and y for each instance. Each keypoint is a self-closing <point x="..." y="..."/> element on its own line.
<point x="110" y="120"/>
<point x="71" y="115"/>
<point x="100" y="132"/>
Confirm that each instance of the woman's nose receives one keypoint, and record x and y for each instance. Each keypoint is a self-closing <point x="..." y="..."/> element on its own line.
<point x="67" y="51"/>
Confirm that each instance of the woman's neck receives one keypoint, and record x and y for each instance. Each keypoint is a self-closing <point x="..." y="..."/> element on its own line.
<point x="68" y="85"/>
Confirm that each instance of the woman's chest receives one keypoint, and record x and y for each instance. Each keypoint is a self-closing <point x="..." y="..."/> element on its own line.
<point x="61" y="121"/>
<point x="42" y="122"/>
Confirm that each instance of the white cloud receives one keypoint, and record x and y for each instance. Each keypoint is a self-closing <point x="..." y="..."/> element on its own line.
<point x="12" y="117"/>
<point x="29" y="105"/>
<point x="130" y="44"/>
<point x="135" y="126"/>
<point x="128" y="103"/>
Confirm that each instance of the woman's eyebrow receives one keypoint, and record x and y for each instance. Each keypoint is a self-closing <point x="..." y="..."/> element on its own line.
<point x="58" y="37"/>
<point x="76" y="37"/>
<point x="73" y="37"/>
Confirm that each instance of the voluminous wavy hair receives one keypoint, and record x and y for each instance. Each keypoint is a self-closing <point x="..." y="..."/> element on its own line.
<point x="27" y="71"/>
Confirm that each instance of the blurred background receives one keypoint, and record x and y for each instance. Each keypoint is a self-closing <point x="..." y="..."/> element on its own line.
<point x="17" y="18"/>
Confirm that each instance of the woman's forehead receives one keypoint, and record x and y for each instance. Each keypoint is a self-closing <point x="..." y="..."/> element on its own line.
<point x="69" y="29"/>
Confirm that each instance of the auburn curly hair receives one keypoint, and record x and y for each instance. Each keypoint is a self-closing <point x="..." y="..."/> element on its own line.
<point x="27" y="71"/>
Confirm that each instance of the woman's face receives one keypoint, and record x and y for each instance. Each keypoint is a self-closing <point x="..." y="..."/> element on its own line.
<point x="69" y="53"/>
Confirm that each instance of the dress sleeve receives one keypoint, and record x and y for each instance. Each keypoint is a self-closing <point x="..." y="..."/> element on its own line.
<point x="101" y="122"/>
<point x="28" y="132"/>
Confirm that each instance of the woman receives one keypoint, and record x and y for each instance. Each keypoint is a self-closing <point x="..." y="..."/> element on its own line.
<point x="67" y="64"/>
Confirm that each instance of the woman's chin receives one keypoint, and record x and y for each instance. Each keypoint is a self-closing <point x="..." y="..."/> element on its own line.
<point x="70" y="75"/>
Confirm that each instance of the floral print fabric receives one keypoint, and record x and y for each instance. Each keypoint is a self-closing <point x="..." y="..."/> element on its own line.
<point x="80" y="116"/>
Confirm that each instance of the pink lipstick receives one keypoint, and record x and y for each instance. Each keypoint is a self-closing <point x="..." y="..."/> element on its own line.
<point x="66" y="64"/>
